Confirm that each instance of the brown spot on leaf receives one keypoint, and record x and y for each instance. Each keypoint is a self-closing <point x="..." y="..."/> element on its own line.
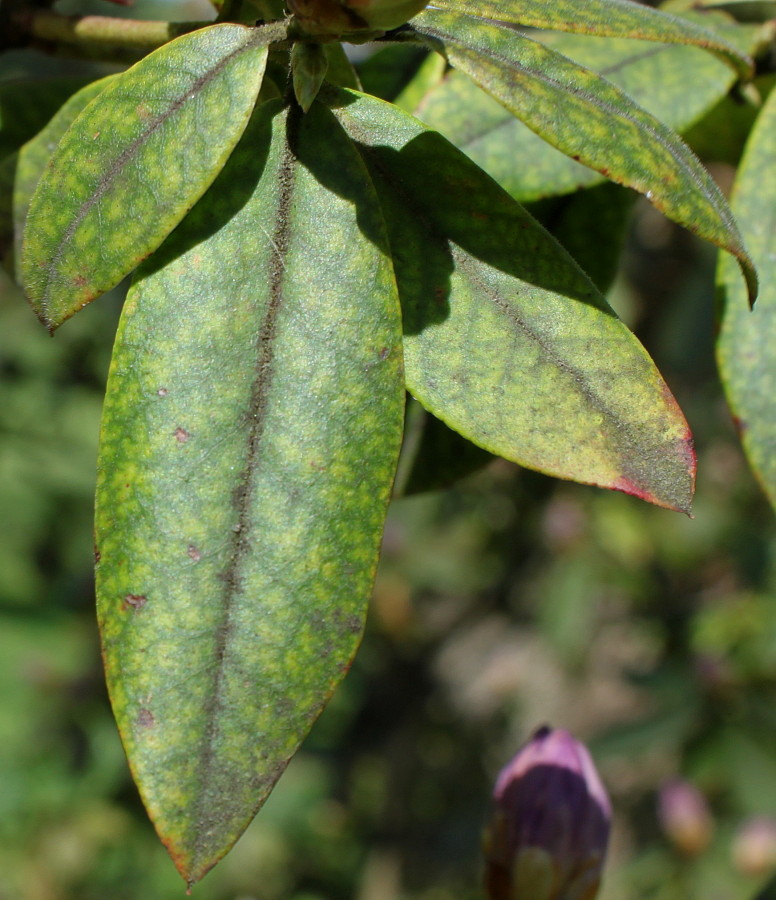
<point x="134" y="601"/>
<point x="145" y="718"/>
<point x="194" y="553"/>
<point x="162" y="392"/>
<point x="79" y="281"/>
<point x="384" y="353"/>
<point x="97" y="554"/>
<point x="181" y="435"/>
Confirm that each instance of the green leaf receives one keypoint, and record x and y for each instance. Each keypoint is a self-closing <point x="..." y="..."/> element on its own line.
<point x="590" y="120"/>
<point x="26" y="106"/>
<point x="390" y="69"/>
<point x="309" y="63"/>
<point x="655" y="76"/>
<point x="433" y="457"/>
<point x="36" y="153"/>
<point x="607" y="18"/>
<point x="250" y="436"/>
<point x="134" y="162"/>
<point x="592" y="225"/>
<point x="506" y="340"/>
<point x="746" y="350"/>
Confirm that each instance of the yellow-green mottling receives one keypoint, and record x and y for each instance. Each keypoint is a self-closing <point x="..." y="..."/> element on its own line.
<point x="249" y="441"/>
<point x="607" y="18"/>
<point x="591" y="120"/>
<point x="134" y="162"/>
<point x="35" y="154"/>
<point x="746" y="348"/>
<point x="506" y="340"/>
<point x="655" y="76"/>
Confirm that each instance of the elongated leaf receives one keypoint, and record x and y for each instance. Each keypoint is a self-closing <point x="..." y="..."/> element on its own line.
<point x="249" y="441"/>
<point x="591" y="120"/>
<point x="134" y="162"/>
<point x="607" y="18"/>
<point x="506" y="340"/>
<point x="36" y="153"/>
<point x="655" y="76"/>
<point x="746" y="349"/>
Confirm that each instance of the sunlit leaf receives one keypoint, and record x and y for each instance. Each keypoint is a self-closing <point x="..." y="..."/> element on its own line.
<point x="746" y="348"/>
<point x="134" y="162"/>
<point x="505" y="339"/>
<point x="655" y="76"/>
<point x="607" y="18"/>
<point x="591" y="120"/>
<point x="249" y="441"/>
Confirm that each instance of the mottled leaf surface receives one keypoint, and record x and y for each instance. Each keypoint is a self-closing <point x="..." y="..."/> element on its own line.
<point x="505" y="339"/>
<point x="606" y="18"/>
<point x="746" y="348"/>
<point x="249" y="441"/>
<point x="36" y="153"/>
<point x="655" y="76"/>
<point x="134" y="162"/>
<point x="591" y="120"/>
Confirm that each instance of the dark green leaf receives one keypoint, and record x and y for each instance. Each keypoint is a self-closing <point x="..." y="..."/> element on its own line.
<point x="506" y="340"/>
<point x="590" y="120"/>
<point x="134" y="162"/>
<point x="432" y="455"/>
<point x="26" y="106"/>
<point x="387" y="72"/>
<point x="655" y="76"/>
<point x="607" y="18"/>
<point x="249" y="441"/>
<point x="746" y="349"/>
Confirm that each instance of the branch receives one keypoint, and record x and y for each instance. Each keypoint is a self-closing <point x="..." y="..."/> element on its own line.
<point x="93" y="37"/>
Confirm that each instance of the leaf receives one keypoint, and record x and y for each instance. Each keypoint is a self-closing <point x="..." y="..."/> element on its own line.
<point x="250" y="436"/>
<point x="505" y="339"/>
<point x="591" y="120"/>
<point x="27" y="105"/>
<point x="655" y="76"/>
<point x="36" y="153"/>
<point x="607" y="18"/>
<point x="592" y="225"/>
<point x="133" y="164"/>
<point x="433" y="457"/>
<point x="746" y="352"/>
<point x="388" y="71"/>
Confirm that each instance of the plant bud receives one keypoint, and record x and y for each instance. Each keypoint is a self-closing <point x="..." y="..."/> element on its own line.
<point x="684" y="816"/>
<point x="550" y="823"/>
<point x="347" y="17"/>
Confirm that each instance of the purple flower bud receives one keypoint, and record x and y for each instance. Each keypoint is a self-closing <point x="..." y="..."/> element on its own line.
<point x="685" y="817"/>
<point x="550" y="824"/>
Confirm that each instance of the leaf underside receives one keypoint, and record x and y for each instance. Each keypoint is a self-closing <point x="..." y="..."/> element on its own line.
<point x="589" y="119"/>
<point x="249" y="442"/>
<point x="505" y="339"/>
<point x="134" y="162"/>
<point x="746" y="349"/>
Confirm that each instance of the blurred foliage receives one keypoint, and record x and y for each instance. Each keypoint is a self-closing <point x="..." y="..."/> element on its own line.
<point x="504" y="602"/>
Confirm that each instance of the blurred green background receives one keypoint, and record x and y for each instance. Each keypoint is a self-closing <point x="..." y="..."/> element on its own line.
<point x="504" y="602"/>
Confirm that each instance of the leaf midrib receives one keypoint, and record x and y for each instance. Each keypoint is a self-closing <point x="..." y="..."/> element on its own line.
<point x="264" y="372"/>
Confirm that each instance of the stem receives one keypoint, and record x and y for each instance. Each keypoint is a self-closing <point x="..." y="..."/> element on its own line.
<point x="95" y="35"/>
<point x="103" y="37"/>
